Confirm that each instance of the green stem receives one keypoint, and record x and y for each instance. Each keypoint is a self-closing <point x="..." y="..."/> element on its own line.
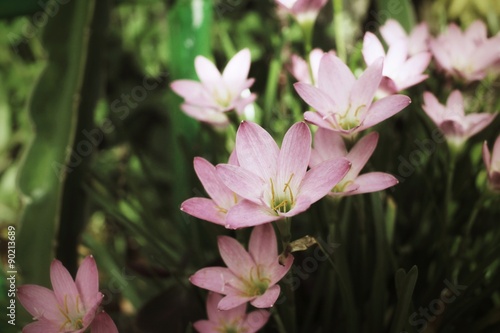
<point x="449" y="185"/>
<point x="307" y="30"/>
<point x="278" y="321"/>
<point x="337" y="24"/>
<point x="284" y="227"/>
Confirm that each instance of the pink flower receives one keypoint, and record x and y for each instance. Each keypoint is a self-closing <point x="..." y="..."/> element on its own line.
<point x="451" y="119"/>
<point x="217" y="93"/>
<point x="304" y="11"/>
<point x="235" y="320"/>
<point x="492" y="163"/>
<point x="300" y="69"/>
<point x="328" y="145"/>
<point x="274" y="182"/>
<point x="417" y="41"/>
<point x="400" y="70"/>
<point x="73" y="306"/>
<point x="344" y="104"/>
<point x="250" y="276"/>
<point x="222" y="198"/>
<point x="466" y="55"/>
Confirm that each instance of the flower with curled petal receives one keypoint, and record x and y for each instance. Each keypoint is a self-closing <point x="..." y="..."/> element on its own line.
<point x="250" y="276"/>
<point x="274" y="182"/>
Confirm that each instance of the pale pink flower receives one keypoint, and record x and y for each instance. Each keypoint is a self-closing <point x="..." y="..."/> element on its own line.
<point x="304" y="11"/>
<point x="466" y="55"/>
<point x="73" y="306"/>
<point x="235" y="320"/>
<point x="492" y="162"/>
<point x="344" y="104"/>
<point x="417" y="40"/>
<point x="276" y="183"/>
<point x="250" y="276"/>
<point x="451" y="119"/>
<point x="401" y="71"/>
<point x="216" y="93"/>
<point x="222" y="198"/>
<point x="300" y="69"/>
<point x="329" y="145"/>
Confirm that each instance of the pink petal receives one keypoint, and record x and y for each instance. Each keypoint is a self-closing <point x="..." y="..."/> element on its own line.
<point x="232" y="301"/>
<point x="384" y="108"/>
<point x="455" y="103"/>
<point x="103" y="324"/>
<point x="360" y="154"/>
<point x="205" y="114"/>
<point x="373" y="182"/>
<point x="241" y="181"/>
<point x="327" y="145"/>
<point x="396" y="57"/>
<point x="263" y="246"/>
<point x="62" y="283"/>
<point x="278" y="271"/>
<point x="40" y="302"/>
<point x="315" y="97"/>
<point x="416" y="64"/>
<point x="216" y="315"/>
<point x="42" y="326"/>
<point x="441" y="54"/>
<point x="188" y="89"/>
<point x="249" y="214"/>
<point x="257" y="151"/>
<point x="268" y="299"/>
<point x="392" y="31"/>
<point x="495" y="156"/>
<point x="418" y="40"/>
<point x="87" y="281"/>
<point x="364" y="89"/>
<point x="255" y="320"/>
<point x="294" y="155"/>
<point x="320" y="179"/>
<point x="487" y="156"/>
<point x="205" y="326"/>
<point x="215" y="188"/>
<point x="337" y="79"/>
<point x="372" y="48"/>
<point x="237" y="259"/>
<point x="213" y="278"/>
<point x="317" y="119"/>
<point x="433" y="108"/>
<point x="206" y="70"/>
<point x="487" y="54"/>
<point x="236" y="71"/>
<point x="476" y="32"/>
<point x="213" y="300"/>
<point x="204" y="209"/>
<point x="477" y="122"/>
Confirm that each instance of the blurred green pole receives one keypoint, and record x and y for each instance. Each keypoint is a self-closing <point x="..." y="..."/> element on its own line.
<point x="190" y="27"/>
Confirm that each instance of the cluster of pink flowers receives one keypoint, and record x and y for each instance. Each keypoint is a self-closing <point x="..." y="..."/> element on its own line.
<point x="263" y="182"/>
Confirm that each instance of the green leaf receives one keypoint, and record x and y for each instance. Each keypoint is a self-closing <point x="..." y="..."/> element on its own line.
<point x="53" y="110"/>
<point x="400" y="10"/>
<point x="405" y="284"/>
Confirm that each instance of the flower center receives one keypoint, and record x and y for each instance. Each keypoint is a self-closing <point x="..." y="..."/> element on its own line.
<point x="257" y="284"/>
<point x="282" y="201"/>
<point x="340" y="187"/>
<point x="222" y="97"/>
<point x="73" y="315"/>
